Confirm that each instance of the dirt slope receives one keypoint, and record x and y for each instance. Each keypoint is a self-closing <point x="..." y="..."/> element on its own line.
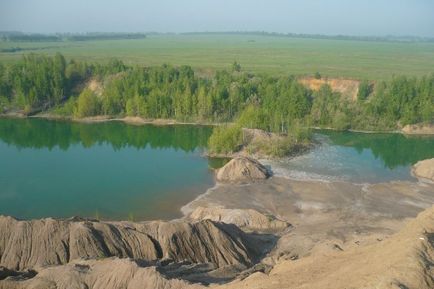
<point x="347" y="87"/>
<point x="39" y="243"/>
<point x="405" y="260"/>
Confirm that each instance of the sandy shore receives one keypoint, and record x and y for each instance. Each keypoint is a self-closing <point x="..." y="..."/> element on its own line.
<point x="417" y="129"/>
<point x="133" y="120"/>
<point x="324" y="213"/>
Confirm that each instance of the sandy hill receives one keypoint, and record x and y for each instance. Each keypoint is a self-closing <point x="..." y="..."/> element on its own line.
<point x="403" y="261"/>
<point x="347" y="87"/>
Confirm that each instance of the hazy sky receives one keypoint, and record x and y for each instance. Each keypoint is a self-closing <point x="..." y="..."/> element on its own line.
<point x="352" y="17"/>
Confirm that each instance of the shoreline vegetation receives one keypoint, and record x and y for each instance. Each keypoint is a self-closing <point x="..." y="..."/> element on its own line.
<point x="283" y="107"/>
<point x="415" y="129"/>
<point x="231" y="140"/>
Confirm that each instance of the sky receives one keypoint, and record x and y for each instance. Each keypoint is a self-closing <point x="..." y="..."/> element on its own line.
<point x="347" y="17"/>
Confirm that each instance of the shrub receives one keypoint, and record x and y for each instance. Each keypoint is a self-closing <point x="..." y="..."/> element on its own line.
<point x="226" y="139"/>
<point x="365" y="89"/>
<point x="68" y="108"/>
<point x="87" y="104"/>
<point x="4" y="104"/>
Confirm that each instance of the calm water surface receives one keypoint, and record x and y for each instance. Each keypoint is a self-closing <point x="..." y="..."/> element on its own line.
<point x="359" y="157"/>
<point x="107" y="170"/>
<point x="118" y="171"/>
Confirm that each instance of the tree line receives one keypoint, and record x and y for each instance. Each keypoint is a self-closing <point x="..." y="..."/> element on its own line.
<point x="43" y="83"/>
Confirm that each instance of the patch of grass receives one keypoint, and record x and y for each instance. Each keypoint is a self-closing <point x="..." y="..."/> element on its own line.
<point x="229" y="139"/>
<point x="255" y="53"/>
<point x="278" y="146"/>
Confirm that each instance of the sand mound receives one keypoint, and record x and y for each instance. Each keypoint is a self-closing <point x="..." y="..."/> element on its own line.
<point x="39" y="243"/>
<point x="242" y="169"/>
<point x="424" y="169"/>
<point x="347" y="87"/>
<point x="405" y="260"/>
<point x="95" y="86"/>
<point x="111" y="273"/>
<point x="250" y="220"/>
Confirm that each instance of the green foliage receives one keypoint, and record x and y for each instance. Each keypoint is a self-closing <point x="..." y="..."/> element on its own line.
<point x="270" y="103"/>
<point x="225" y="139"/>
<point x="294" y="141"/>
<point x="402" y="100"/>
<point x="37" y="81"/>
<point x="4" y="103"/>
<point x="317" y="75"/>
<point x="236" y="67"/>
<point x="365" y="89"/>
<point x="67" y="109"/>
<point x="300" y="133"/>
<point x="230" y="139"/>
<point x="325" y="106"/>
<point x="87" y="104"/>
<point x="253" y="117"/>
<point x="281" y="56"/>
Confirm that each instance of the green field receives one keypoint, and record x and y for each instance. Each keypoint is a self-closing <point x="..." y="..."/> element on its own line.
<point x="259" y="54"/>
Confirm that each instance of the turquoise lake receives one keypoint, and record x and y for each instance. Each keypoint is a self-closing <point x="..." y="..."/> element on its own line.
<point x="106" y="170"/>
<point x="117" y="171"/>
<point x="358" y="157"/>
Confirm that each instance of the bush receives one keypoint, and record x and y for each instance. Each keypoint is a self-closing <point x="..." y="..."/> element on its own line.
<point x="276" y="147"/>
<point x="365" y="89"/>
<point x="236" y="67"/>
<point x="4" y="104"/>
<point x="226" y="139"/>
<point x="87" y="104"/>
<point x="68" y="108"/>
<point x="253" y="117"/>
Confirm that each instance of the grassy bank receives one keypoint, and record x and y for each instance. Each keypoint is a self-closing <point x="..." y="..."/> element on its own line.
<point x="56" y="87"/>
<point x="256" y="53"/>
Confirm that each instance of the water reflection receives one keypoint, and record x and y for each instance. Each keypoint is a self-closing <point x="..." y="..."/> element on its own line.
<point x="392" y="149"/>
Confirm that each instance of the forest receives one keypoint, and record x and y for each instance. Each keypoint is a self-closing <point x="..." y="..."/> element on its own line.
<point x="275" y="104"/>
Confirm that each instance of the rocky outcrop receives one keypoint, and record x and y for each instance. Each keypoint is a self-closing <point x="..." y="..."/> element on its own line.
<point x="40" y="243"/>
<point x="424" y="170"/>
<point x="250" y="220"/>
<point x="242" y="169"/>
<point x="422" y="129"/>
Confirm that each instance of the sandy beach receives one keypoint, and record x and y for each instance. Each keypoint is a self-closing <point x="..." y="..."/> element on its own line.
<point x="321" y="212"/>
